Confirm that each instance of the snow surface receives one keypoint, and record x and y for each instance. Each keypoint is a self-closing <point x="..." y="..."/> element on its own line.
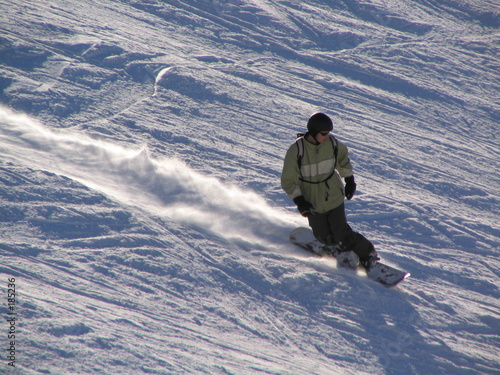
<point x="141" y="146"/>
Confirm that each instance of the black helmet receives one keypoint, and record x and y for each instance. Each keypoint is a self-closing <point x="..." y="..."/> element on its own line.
<point x="319" y="122"/>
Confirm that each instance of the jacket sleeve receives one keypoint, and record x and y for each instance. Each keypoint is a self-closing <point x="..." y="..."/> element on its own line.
<point x="290" y="181"/>
<point x="344" y="166"/>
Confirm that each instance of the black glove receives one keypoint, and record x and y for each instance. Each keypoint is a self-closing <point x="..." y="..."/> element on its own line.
<point x="305" y="208"/>
<point x="350" y="187"/>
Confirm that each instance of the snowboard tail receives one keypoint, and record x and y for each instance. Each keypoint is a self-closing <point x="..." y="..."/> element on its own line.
<point x="379" y="272"/>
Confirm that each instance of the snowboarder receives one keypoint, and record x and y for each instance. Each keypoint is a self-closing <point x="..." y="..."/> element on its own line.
<point x="311" y="177"/>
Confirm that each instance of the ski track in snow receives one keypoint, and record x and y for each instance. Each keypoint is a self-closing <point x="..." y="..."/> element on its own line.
<point x="140" y="207"/>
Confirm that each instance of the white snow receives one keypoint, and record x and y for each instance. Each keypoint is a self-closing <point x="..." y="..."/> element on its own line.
<point x="141" y="146"/>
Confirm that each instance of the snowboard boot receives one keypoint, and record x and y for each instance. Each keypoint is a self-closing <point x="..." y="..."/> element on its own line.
<point x="370" y="260"/>
<point x="331" y="250"/>
<point x="347" y="259"/>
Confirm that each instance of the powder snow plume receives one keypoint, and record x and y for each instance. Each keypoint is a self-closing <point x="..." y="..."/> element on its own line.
<point x="165" y="187"/>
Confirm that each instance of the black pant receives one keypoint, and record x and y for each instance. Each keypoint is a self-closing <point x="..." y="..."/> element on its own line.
<point x="332" y="228"/>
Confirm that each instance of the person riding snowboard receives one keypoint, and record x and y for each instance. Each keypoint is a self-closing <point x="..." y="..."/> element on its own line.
<point x="311" y="177"/>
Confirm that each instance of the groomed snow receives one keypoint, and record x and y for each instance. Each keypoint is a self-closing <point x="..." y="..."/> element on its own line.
<point x="141" y="146"/>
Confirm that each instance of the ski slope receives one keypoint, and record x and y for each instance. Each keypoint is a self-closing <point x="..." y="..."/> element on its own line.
<point x="141" y="215"/>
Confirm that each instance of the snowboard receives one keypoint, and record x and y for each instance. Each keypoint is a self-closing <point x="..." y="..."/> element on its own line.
<point x="380" y="272"/>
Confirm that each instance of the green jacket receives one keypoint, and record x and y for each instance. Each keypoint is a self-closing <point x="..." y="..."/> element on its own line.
<point x="318" y="162"/>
